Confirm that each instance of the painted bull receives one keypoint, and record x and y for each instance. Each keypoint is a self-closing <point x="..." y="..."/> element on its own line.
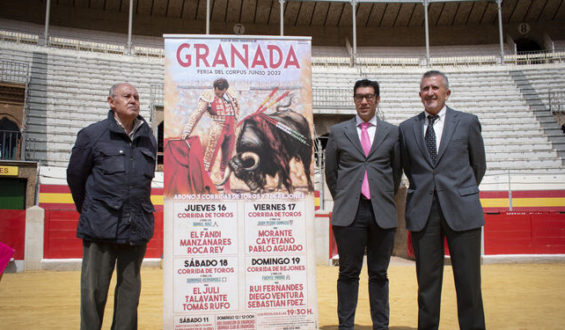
<point x="265" y="146"/>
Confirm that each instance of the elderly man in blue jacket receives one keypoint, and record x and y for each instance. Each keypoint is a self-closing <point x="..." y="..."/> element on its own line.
<point x="109" y="174"/>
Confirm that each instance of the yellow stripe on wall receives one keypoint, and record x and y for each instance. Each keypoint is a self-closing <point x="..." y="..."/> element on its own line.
<point x="524" y="202"/>
<point x="62" y="198"/>
<point x="65" y="198"/>
<point x="494" y="202"/>
<point x="539" y="202"/>
<point x="157" y="199"/>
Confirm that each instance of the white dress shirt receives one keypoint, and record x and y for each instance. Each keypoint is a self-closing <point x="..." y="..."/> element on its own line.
<point x="370" y="130"/>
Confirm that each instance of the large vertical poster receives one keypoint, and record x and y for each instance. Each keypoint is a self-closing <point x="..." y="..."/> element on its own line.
<point x="239" y="193"/>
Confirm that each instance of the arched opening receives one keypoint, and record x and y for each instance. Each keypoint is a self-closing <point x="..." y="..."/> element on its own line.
<point x="524" y="45"/>
<point x="9" y="139"/>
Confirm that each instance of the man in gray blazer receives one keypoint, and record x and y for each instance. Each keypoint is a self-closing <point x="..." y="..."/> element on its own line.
<point x="443" y="156"/>
<point x="362" y="173"/>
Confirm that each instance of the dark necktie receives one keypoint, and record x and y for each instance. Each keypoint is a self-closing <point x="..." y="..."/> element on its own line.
<point x="431" y="137"/>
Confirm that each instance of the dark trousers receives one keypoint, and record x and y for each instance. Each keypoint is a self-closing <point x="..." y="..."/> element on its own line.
<point x="98" y="262"/>
<point x="352" y="242"/>
<point x="465" y="253"/>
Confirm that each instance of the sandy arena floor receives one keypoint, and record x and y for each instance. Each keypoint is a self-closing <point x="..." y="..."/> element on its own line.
<point x="516" y="296"/>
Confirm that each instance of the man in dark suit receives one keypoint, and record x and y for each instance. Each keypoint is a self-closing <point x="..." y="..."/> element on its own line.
<point x="363" y="172"/>
<point x="443" y="156"/>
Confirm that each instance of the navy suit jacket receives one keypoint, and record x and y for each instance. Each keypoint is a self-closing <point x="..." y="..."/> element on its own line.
<point x="455" y="177"/>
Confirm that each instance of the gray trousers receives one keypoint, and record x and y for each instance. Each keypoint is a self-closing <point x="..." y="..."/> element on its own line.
<point x="465" y="252"/>
<point x="98" y="262"/>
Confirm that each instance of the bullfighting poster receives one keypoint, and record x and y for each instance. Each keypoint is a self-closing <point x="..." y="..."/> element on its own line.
<point x="239" y="192"/>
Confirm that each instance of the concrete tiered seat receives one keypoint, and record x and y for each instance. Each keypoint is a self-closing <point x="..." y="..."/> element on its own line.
<point x="514" y="138"/>
<point x="536" y="84"/>
<point x="68" y="90"/>
<point x="435" y="51"/>
<point x="540" y="82"/>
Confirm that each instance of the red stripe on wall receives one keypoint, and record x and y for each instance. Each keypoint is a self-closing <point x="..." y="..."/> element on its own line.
<point x="538" y="193"/>
<point x="64" y="189"/>
<point x="523" y="194"/>
<point x="493" y="194"/>
<point x="539" y="209"/>
<point x="52" y="188"/>
<point x="71" y="207"/>
<point x="58" y="206"/>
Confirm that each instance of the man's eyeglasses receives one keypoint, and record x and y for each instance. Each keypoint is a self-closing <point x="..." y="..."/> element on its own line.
<point x="360" y="97"/>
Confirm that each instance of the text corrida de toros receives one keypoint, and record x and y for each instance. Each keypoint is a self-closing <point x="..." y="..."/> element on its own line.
<point x="270" y="56"/>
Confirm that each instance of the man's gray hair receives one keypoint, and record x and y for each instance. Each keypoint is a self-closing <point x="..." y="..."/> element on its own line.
<point x="433" y="73"/>
<point x="113" y="89"/>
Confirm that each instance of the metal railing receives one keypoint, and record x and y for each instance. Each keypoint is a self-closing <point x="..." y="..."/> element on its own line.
<point x="332" y="98"/>
<point x="535" y="57"/>
<point x="513" y="181"/>
<point x="157" y="96"/>
<point x="556" y="101"/>
<point x="336" y="98"/>
<point x="319" y="166"/>
<point x="14" y="71"/>
<point x="19" y="37"/>
<point x="90" y="46"/>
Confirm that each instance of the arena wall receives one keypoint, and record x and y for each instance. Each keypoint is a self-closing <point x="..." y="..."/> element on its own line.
<point x="522" y="219"/>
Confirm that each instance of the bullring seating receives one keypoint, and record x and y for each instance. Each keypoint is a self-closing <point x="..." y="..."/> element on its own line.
<point x="68" y="89"/>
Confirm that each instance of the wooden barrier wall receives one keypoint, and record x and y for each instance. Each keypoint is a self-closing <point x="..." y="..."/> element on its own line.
<point x="525" y="233"/>
<point x="537" y="227"/>
<point x="60" y="239"/>
<point x="12" y="231"/>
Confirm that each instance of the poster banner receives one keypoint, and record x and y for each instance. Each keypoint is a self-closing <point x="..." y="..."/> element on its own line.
<point x="238" y="193"/>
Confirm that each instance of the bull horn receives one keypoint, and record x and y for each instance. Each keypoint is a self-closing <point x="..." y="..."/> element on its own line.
<point x="226" y="177"/>
<point x="247" y="155"/>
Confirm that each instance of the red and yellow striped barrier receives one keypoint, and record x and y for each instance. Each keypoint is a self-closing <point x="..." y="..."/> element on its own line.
<point x="59" y="197"/>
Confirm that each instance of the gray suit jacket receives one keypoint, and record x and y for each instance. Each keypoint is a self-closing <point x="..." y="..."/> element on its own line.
<point x="345" y="168"/>
<point x="455" y="176"/>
